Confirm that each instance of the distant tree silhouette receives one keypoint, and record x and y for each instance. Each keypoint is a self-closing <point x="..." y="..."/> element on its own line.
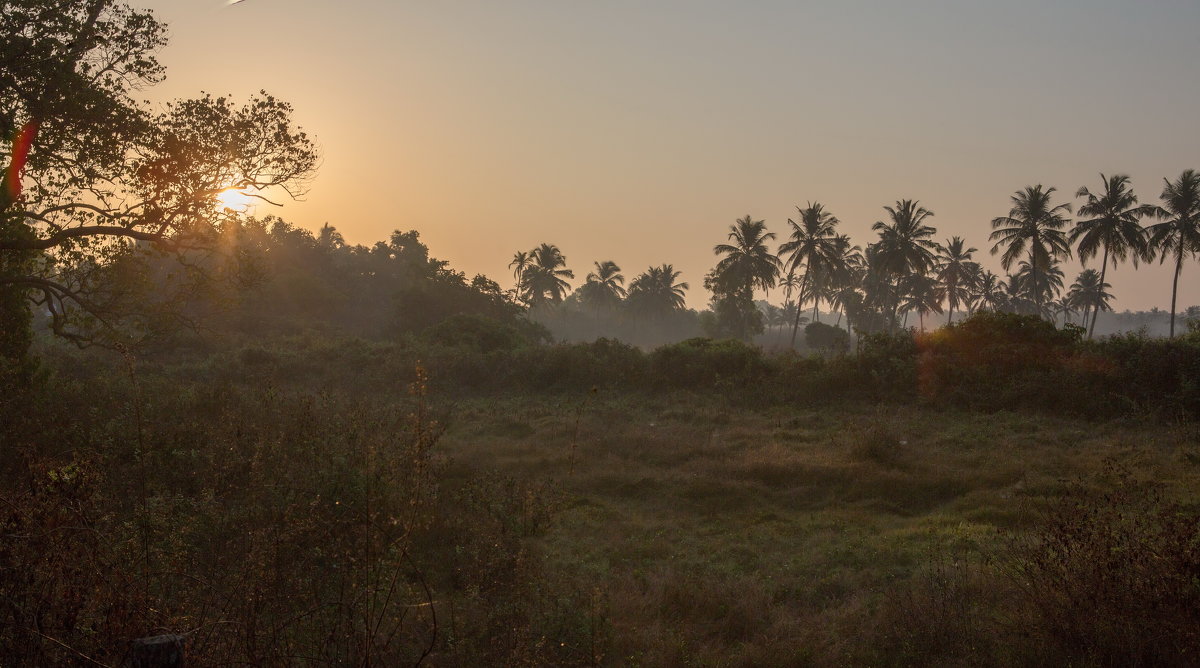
<point x="605" y="287"/>
<point x="1089" y="294"/>
<point x="1110" y="224"/>
<point x="746" y="264"/>
<point x="1037" y="288"/>
<point x="988" y="291"/>
<point x="1178" y="236"/>
<point x="956" y="271"/>
<point x="904" y="247"/>
<point x="812" y="244"/>
<point x="922" y="293"/>
<point x="545" y="279"/>
<point x="1033" y="223"/>
<point x="655" y="291"/>
<point x="521" y="261"/>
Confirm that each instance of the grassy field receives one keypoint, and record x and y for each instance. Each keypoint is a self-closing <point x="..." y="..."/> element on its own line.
<point x="716" y="535"/>
<point x="284" y="524"/>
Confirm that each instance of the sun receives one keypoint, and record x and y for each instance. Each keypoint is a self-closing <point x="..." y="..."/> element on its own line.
<point x="236" y="199"/>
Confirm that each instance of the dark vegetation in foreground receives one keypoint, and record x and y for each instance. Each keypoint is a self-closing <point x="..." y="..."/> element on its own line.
<point x="315" y="501"/>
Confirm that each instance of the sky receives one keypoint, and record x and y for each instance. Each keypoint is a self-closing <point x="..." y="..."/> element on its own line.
<point x="639" y="131"/>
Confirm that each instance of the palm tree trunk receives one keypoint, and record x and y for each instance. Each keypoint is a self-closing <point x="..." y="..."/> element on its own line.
<point x="816" y="317"/>
<point x="799" y="302"/>
<point x="1095" y="306"/>
<point x="1175" y="283"/>
<point x="1033" y="275"/>
<point x="950" y="315"/>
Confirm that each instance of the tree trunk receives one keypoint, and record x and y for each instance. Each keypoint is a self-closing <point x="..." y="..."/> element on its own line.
<point x="799" y="302"/>
<point x="1175" y="283"/>
<point x="1095" y="306"/>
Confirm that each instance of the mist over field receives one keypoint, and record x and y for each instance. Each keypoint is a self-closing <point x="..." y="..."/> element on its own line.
<point x="938" y="407"/>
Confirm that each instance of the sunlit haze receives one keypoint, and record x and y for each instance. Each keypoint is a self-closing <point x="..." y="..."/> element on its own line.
<point x="638" y="132"/>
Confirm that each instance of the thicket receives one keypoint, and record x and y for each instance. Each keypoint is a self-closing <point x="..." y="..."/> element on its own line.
<point x="267" y="526"/>
<point x="990" y="361"/>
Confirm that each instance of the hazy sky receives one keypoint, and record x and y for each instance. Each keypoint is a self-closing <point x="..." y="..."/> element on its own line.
<point x="638" y="131"/>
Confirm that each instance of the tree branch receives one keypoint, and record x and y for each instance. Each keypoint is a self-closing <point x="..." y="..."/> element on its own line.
<point x="76" y="232"/>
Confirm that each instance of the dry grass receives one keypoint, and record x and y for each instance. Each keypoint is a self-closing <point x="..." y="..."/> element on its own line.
<point x="798" y="536"/>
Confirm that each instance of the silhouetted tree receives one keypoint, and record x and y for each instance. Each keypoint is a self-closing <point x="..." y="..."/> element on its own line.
<point x="544" y="280"/>
<point x="811" y="245"/>
<point x="1178" y="236"/>
<point x="1089" y="294"/>
<point x="1110" y="223"/>
<point x="747" y="264"/>
<point x="106" y="175"/>
<point x="955" y="270"/>
<point x="1033" y="223"/>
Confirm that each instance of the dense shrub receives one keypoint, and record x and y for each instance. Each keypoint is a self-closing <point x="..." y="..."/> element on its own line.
<point x="1111" y="577"/>
<point x="820" y="336"/>
<point x="700" y="362"/>
<point x="267" y="525"/>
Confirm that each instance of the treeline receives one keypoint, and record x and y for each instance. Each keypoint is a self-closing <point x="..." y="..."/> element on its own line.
<point x="905" y="271"/>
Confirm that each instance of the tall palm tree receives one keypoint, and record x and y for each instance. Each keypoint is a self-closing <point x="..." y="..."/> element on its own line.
<point x="655" y="292"/>
<point x="520" y="262"/>
<point x="1178" y="235"/>
<point x="545" y="279"/>
<point x="1035" y="224"/>
<point x="608" y="280"/>
<point x="988" y="291"/>
<point x="1111" y="225"/>
<point x="1089" y="293"/>
<point x="904" y="247"/>
<point x="605" y="287"/>
<point x="881" y="295"/>
<point x="956" y="271"/>
<point x="811" y="245"/>
<point x="1038" y="287"/>
<point x="922" y="293"/>
<point x="748" y="263"/>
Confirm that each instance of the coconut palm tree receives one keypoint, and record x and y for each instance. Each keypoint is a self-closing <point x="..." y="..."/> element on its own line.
<point x="747" y="264"/>
<point x="1035" y="224"/>
<point x="1178" y="236"/>
<point x="881" y="295"/>
<point x="608" y="282"/>
<point x="1111" y="225"/>
<point x="1089" y="294"/>
<point x="904" y="247"/>
<point x="955" y="270"/>
<point x="654" y="292"/>
<point x="1038" y="287"/>
<point x="520" y="262"/>
<point x="922" y="293"/>
<point x="544" y="279"/>
<point x="604" y="288"/>
<point x="988" y="291"/>
<point x="812" y="244"/>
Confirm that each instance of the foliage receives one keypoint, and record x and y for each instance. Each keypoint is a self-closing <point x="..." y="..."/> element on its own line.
<point x="105" y="176"/>
<point x="820" y="336"/>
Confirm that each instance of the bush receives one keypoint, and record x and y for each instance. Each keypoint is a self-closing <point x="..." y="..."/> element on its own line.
<point x="701" y="362"/>
<point x="820" y="336"/>
<point x="1112" y="577"/>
